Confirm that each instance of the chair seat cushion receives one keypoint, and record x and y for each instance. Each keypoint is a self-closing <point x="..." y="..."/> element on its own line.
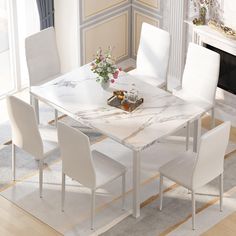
<point x="106" y="168"/>
<point x="180" y="169"/>
<point x="187" y="96"/>
<point x="148" y="79"/>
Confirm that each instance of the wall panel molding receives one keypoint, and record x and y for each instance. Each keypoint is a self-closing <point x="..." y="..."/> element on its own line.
<point x="144" y="11"/>
<point x="138" y="18"/>
<point x="154" y="4"/>
<point x="91" y="9"/>
<point x="118" y="37"/>
<point x="103" y="23"/>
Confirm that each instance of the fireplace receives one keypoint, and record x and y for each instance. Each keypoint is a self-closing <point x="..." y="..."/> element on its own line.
<point x="227" y="78"/>
<point x="225" y="102"/>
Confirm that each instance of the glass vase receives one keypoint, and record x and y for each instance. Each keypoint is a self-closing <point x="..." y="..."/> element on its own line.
<point x="105" y="85"/>
<point x="202" y="15"/>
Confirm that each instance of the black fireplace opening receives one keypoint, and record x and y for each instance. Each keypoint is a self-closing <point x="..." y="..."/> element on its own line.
<point x="227" y="77"/>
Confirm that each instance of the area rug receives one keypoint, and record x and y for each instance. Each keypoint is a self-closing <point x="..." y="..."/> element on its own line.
<point x="175" y="218"/>
<point x="75" y="220"/>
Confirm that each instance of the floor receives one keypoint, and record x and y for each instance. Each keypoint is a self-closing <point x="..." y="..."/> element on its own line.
<point x="15" y="221"/>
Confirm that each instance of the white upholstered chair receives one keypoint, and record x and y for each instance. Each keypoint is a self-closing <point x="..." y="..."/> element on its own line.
<point x="91" y="169"/>
<point x="42" y="60"/>
<point x="153" y="56"/>
<point x="27" y="136"/>
<point x="194" y="170"/>
<point x="200" y="78"/>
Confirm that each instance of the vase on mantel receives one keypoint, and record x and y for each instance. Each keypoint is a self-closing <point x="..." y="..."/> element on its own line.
<point x="202" y="15"/>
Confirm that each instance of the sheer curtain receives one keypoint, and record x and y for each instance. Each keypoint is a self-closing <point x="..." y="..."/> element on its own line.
<point x="27" y="23"/>
<point x="46" y="13"/>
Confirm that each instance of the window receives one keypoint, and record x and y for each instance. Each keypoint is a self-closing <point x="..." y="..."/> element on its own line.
<point x="18" y="19"/>
<point x="6" y="77"/>
<point x="28" y="23"/>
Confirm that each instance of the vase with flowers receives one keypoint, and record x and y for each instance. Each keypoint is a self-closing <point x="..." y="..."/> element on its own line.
<point x="203" y="6"/>
<point x="104" y="66"/>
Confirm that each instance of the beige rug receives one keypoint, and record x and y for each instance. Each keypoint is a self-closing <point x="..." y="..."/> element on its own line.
<point x="76" y="221"/>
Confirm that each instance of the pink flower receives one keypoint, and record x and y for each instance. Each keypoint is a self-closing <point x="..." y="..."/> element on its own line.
<point x="115" y="75"/>
<point x="120" y="69"/>
<point x="112" y="80"/>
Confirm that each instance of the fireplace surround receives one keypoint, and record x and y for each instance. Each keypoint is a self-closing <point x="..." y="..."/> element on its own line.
<point x="227" y="77"/>
<point x="226" y="90"/>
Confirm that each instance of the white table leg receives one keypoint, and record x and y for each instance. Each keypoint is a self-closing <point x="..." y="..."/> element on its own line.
<point x="197" y="134"/>
<point x="136" y="184"/>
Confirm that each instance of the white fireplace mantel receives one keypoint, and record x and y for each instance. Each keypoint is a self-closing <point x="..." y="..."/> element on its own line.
<point x="205" y="34"/>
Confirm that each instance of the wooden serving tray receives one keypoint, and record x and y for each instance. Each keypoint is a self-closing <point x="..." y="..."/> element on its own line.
<point x="114" y="101"/>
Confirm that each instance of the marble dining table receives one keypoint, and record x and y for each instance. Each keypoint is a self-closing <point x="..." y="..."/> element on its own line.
<point x="78" y="95"/>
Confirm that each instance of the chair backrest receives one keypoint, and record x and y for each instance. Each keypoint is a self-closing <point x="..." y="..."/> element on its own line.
<point x="25" y="132"/>
<point x="76" y="155"/>
<point x="210" y="159"/>
<point x="42" y="56"/>
<point x="153" y="52"/>
<point x="201" y="72"/>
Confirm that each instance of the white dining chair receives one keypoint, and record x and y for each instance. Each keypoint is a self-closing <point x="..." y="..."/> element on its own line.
<point x="91" y="169"/>
<point x="200" y="78"/>
<point x="42" y="60"/>
<point x="39" y="142"/>
<point x="194" y="170"/>
<point x="152" y="56"/>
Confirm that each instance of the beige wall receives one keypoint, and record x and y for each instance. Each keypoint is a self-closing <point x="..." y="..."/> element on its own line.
<point x="111" y="32"/>
<point x="93" y="7"/>
<point x="150" y="3"/>
<point x="106" y="24"/>
<point x="150" y="16"/>
<point x="82" y="26"/>
<point x="139" y="18"/>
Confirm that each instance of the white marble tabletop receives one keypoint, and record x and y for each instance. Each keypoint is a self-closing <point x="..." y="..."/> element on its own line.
<point x="78" y="95"/>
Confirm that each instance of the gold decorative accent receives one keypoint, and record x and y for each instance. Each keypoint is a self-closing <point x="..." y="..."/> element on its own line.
<point x="228" y="32"/>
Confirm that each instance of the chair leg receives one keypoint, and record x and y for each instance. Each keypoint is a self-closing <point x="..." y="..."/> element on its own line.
<point x="40" y="178"/>
<point x="161" y="191"/>
<point x="213" y="118"/>
<point x="187" y="135"/>
<point x="193" y="210"/>
<point x="123" y="191"/>
<point x="92" y="208"/>
<point x="56" y="117"/>
<point x="63" y="188"/>
<point x="13" y="162"/>
<point x="221" y="191"/>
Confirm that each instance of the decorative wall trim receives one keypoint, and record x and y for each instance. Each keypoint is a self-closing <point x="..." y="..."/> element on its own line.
<point x="156" y="6"/>
<point x="151" y="19"/>
<point x="125" y="30"/>
<point x="116" y="6"/>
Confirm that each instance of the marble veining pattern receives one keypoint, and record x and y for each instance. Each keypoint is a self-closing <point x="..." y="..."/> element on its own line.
<point x="80" y="96"/>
